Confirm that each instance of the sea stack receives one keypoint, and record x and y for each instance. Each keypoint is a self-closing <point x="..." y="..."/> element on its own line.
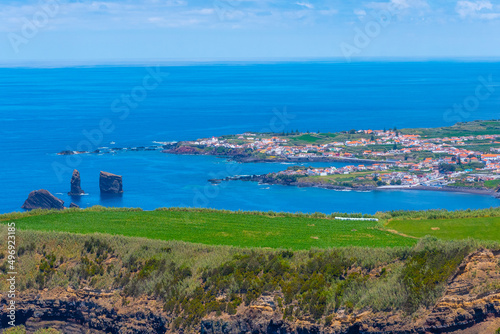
<point x="110" y="183"/>
<point x="42" y="199"/>
<point x="76" y="190"/>
<point x="73" y="205"/>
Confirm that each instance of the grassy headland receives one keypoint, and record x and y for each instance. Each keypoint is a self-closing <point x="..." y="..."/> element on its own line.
<point x="311" y="266"/>
<point x="192" y="281"/>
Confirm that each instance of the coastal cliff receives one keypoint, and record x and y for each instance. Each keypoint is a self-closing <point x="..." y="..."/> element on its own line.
<point x="304" y="182"/>
<point x="249" y="156"/>
<point x="87" y="311"/>
<point x="466" y="307"/>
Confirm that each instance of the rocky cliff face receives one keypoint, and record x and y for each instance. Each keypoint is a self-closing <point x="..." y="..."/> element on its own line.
<point x="110" y="183"/>
<point x="470" y="305"/>
<point x="76" y="190"/>
<point x="42" y="199"/>
<point x="472" y="295"/>
<point x="86" y="311"/>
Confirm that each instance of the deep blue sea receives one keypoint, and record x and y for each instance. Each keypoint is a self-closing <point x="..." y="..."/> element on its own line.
<point x="46" y="110"/>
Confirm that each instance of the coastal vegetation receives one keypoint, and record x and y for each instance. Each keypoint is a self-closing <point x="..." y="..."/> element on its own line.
<point x="199" y="263"/>
<point x="193" y="281"/>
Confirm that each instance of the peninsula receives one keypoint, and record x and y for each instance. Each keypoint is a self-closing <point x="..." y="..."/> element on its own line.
<point x="462" y="157"/>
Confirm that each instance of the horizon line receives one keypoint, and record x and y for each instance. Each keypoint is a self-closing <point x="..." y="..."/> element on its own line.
<point x="60" y="63"/>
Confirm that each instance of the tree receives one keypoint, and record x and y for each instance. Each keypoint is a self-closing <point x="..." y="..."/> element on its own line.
<point x="444" y="168"/>
<point x="395" y="147"/>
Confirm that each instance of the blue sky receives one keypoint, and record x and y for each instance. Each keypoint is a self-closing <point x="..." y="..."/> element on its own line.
<point x="80" y="30"/>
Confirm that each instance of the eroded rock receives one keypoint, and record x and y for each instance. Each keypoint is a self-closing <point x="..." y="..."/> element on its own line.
<point x="42" y="199"/>
<point x="110" y="183"/>
<point x="76" y="190"/>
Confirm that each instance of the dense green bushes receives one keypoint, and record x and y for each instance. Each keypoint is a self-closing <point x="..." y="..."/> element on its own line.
<point x="427" y="269"/>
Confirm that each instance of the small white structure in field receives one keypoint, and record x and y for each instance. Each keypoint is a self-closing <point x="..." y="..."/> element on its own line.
<point x="361" y="219"/>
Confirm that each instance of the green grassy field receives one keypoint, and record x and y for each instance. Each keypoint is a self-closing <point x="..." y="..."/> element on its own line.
<point x="273" y="230"/>
<point x="218" y="228"/>
<point x="487" y="228"/>
<point x="343" y="177"/>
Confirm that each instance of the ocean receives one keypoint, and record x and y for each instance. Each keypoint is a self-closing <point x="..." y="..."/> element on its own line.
<point x="46" y="110"/>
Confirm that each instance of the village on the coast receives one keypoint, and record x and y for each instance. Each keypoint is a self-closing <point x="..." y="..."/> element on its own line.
<point x="453" y="160"/>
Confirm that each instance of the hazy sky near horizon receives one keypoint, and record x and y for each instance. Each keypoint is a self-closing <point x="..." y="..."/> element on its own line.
<point x="241" y="29"/>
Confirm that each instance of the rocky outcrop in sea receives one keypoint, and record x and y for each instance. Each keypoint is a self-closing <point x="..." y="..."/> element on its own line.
<point x="42" y="199"/>
<point x="76" y="189"/>
<point x="110" y="183"/>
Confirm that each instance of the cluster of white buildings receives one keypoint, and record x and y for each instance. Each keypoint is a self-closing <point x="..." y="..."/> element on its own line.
<point x="277" y="146"/>
<point x="454" y="149"/>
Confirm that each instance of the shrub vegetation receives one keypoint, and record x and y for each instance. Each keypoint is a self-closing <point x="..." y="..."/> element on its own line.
<point x="193" y="281"/>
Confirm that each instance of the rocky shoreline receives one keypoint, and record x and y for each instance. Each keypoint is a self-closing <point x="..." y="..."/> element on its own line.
<point x="266" y="179"/>
<point x="246" y="157"/>
<point x="234" y="155"/>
